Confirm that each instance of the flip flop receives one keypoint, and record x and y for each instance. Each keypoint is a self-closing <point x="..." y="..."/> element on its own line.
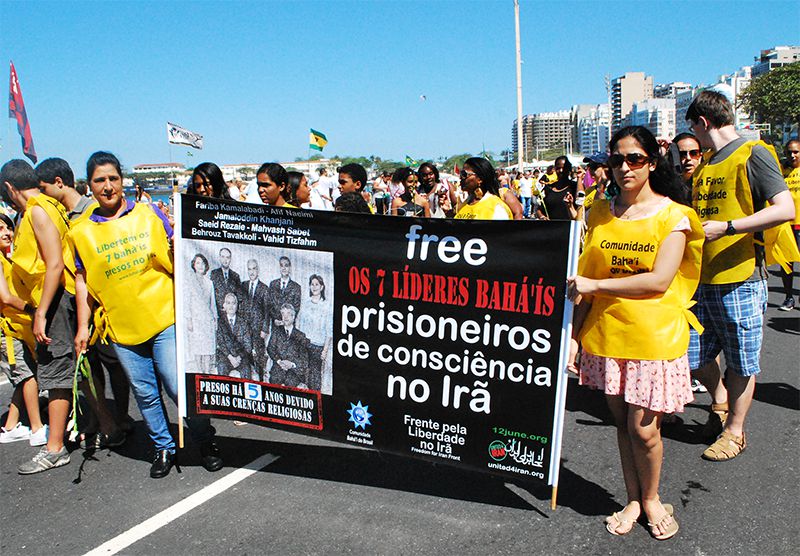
<point x="669" y="530"/>
<point x="615" y="521"/>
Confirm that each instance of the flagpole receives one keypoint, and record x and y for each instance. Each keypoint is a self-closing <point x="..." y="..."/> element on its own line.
<point x="520" y="137"/>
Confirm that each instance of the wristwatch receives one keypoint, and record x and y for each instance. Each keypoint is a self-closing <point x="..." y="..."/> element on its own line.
<point x="730" y="230"/>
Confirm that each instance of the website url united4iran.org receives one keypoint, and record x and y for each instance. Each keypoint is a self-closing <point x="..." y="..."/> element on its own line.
<point x="515" y="469"/>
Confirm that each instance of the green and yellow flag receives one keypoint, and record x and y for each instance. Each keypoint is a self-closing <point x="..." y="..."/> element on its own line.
<point x="317" y="140"/>
<point x="410" y="161"/>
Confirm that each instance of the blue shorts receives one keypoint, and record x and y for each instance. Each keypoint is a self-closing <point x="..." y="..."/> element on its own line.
<point x="733" y="318"/>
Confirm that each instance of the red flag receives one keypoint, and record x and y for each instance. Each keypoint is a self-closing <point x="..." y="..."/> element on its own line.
<point x="16" y="110"/>
<point x="455" y="169"/>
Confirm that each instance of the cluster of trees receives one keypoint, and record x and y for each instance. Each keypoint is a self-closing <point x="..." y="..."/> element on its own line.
<point x="774" y="98"/>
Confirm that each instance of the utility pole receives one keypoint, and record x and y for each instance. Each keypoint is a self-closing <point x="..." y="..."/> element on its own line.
<point x="520" y="136"/>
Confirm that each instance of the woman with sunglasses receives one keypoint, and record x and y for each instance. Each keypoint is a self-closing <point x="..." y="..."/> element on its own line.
<point x="483" y="201"/>
<point x="636" y="277"/>
<point x="687" y="149"/>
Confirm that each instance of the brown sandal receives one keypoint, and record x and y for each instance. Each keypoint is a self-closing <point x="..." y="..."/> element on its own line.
<point x="726" y="447"/>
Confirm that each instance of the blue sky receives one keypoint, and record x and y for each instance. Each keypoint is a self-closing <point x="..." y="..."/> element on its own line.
<point x="252" y="77"/>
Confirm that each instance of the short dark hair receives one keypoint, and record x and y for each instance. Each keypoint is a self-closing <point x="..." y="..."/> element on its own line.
<point x="713" y="106"/>
<point x="285" y="258"/>
<point x="101" y="158"/>
<point x="81" y="187"/>
<point x="432" y="167"/>
<point x="352" y="202"/>
<point x="18" y="173"/>
<point x="356" y="172"/>
<point x="50" y="169"/>
<point x="202" y="258"/>
<point x="685" y="135"/>
<point x="485" y="171"/>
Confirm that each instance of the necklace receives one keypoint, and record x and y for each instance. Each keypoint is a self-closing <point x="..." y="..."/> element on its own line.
<point x="628" y="214"/>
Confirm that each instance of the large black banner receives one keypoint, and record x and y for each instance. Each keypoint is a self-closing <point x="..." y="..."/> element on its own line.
<point x="437" y="339"/>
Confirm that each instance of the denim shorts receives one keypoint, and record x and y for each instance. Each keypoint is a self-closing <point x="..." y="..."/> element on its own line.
<point x="733" y="318"/>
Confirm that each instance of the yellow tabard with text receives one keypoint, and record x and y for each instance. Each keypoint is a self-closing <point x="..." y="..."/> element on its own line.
<point x="28" y="270"/>
<point x="129" y="272"/>
<point x="15" y="323"/>
<point x="653" y="328"/>
<point x="792" y="177"/>
<point x="722" y="192"/>
<point x="483" y="209"/>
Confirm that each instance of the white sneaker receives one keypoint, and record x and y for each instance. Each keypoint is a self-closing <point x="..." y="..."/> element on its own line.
<point x="39" y="438"/>
<point x="19" y="432"/>
<point x="697" y="387"/>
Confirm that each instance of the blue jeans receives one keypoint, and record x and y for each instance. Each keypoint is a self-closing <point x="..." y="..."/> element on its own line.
<point x="526" y="206"/>
<point x="147" y="366"/>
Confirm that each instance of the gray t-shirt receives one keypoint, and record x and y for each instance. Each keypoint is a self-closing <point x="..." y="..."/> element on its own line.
<point x="766" y="181"/>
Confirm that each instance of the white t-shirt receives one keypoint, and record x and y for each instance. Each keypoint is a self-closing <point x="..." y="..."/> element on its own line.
<point x="526" y="187"/>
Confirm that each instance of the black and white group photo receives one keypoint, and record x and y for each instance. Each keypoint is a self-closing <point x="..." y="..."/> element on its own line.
<point x="259" y="313"/>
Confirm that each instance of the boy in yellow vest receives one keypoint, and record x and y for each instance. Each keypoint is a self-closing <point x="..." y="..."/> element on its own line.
<point x="738" y="191"/>
<point x="37" y="273"/>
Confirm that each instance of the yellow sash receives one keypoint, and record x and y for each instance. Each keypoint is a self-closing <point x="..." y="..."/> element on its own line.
<point x="722" y="192"/>
<point x="792" y="177"/>
<point x="15" y="323"/>
<point x="653" y="328"/>
<point x="129" y="272"/>
<point x="29" y="268"/>
<point x="483" y="209"/>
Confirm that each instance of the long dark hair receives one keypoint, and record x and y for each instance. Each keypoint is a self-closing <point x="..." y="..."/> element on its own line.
<point x="212" y="175"/>
<point x="295" y="179"/>
<point x="485" y="171"/>
<point x="663" y="179"/>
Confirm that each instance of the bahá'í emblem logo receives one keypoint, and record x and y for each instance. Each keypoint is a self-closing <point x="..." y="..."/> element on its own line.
<point x="359" y="415"/>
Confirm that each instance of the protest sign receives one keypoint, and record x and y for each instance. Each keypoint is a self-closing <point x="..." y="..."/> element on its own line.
<point x="431" y="338"/>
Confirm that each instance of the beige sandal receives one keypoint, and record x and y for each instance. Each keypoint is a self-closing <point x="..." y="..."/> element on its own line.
<point x="726" y="447"/>
<point x="669" y="530"/>
<point x="617" y="520"/>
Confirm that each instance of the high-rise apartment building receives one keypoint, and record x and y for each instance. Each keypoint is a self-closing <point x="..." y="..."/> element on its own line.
<point x="542" y="131"/>
<point x="527" y="137"/>
<point x="656" y="114"/>
<point x="627" y="90"/>
<point x="670" y="90"/>
<point x="775" y="58"/>
<point x="594" y="130"/>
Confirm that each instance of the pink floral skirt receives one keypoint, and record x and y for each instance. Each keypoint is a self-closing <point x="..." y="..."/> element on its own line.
<point x="663" y="386"/>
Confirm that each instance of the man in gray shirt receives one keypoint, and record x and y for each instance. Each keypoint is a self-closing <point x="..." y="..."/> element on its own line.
<point x="738" y="191"/>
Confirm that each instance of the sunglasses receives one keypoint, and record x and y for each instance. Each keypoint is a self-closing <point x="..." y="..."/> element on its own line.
<point x="464" y="174"/>
<point x="634" y="160"/>
<point x="694" y="153"/>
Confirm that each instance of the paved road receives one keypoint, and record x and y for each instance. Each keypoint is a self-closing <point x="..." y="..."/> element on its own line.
<point x="316" y="497"/>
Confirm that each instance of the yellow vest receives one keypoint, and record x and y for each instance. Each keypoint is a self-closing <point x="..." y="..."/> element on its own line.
<point x="722" y="192"/>
<point x="654" y="328"/>
<point x="28" y="270"/>
<point x="792" y="177"/>
<point x="483" y="209"/>
<point x="15" y="323"/>
<point x="129" y="272"/>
